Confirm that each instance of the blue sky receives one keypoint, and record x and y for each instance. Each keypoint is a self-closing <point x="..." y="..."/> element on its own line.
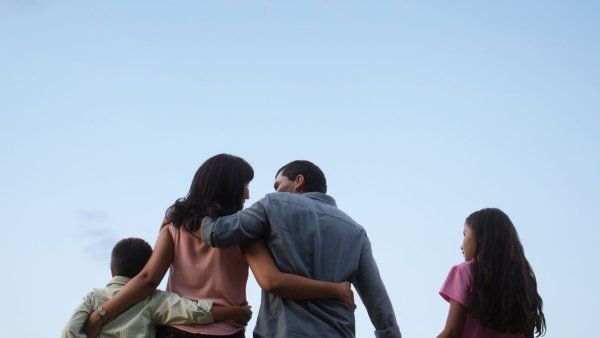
<point x="419" y="112"/>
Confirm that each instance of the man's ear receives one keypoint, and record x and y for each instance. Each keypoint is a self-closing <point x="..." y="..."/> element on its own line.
<point x="299" y="184"/>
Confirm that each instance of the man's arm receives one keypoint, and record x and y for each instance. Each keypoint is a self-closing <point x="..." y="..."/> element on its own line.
<point x="247" y="224"/>
<point x="372" y="292"/>
<point x="74" y="327"/>
<point x="169" y="308"/>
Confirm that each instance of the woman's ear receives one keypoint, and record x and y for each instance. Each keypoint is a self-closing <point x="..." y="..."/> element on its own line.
<point x="299" y="184"/>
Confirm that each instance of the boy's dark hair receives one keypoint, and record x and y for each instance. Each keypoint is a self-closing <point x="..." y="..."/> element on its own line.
<point x="314" y="179"/>
<point x="504" y="294"/>
<point x="129" y="257"/>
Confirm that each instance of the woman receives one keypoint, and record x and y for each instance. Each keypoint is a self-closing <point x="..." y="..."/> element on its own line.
<point x="219" y="187"/>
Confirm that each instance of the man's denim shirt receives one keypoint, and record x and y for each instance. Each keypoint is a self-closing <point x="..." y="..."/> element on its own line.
<point x="309" y="236"/>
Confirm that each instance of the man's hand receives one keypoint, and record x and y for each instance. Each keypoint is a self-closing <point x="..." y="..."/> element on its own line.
<point x="346" y="295"/>
<point x="93" y="325"/>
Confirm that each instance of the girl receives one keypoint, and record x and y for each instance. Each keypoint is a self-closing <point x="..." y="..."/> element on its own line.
<point x="493" y="294"/>
<point x="197" y="271"/>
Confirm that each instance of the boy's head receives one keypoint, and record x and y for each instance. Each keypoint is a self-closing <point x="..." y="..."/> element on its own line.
<point x="129" y="257"/>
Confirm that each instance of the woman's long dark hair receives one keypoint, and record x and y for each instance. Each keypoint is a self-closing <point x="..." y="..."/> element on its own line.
<point x="217" y="189"/>
<point x="504" y="293"/>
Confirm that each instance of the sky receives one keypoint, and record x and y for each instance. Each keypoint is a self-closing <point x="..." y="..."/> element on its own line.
<point x="418" y="112"/>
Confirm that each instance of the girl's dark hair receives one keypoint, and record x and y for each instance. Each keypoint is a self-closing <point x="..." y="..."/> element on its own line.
<point x="504" y="293"/>
<point x="217" y="190"/>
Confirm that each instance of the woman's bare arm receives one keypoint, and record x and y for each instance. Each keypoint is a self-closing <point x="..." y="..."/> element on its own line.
<point x="286" y="285"/>
<point x="139" y="287"/>
<point x="457" y="315"/>
<point x="239" y="314"/>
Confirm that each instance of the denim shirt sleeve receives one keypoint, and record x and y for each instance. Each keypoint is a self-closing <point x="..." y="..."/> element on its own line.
<point x="247" y="224"/>
<point x="372" y="292"/>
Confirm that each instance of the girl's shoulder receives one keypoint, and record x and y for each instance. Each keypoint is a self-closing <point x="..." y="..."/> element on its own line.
<point x="464" y="266"/>
<point x="462" y="269"/>
<point x="457" y="284"/>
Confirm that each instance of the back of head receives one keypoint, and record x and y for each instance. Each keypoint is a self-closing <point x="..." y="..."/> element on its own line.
<point x="314" y="179"/>
<point x="129" y="256"/>
<point x="216" y="190"/>
<point x="504" y="289"/>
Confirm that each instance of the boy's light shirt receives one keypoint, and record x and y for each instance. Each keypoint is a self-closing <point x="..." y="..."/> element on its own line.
<point x="141" y="319"/>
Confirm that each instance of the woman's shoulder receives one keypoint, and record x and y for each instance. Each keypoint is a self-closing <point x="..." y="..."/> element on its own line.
<point x="168" y="227"/>
<point x="181" y="234"/>
<point x="176" y="232"/>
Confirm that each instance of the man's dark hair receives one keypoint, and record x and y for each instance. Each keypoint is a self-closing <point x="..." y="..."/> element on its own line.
<point x="314" y="179"/>
<point x="129" y="257"/>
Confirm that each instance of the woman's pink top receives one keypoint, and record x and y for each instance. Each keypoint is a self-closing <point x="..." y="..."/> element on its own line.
<point x="201" y="272"/>
<point x="458" y="287"/>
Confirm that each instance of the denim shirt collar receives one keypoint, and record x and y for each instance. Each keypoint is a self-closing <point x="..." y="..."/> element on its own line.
<point x="319" y="196"/>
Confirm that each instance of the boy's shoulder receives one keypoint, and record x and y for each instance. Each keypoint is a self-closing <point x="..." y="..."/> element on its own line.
<point x="104" y="294"/>
<point x="101" y="293"/>
<point x="97" y="296"/>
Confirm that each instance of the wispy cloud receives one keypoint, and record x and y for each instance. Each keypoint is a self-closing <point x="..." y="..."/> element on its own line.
<point x="97" y="234"/>
<point x="98" y="216"/>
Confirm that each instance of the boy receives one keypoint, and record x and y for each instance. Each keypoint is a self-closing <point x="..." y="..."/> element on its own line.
<point x="162" y="308"/>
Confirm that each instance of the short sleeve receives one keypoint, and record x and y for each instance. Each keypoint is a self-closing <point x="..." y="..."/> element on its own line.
<point x="457" y="285"/>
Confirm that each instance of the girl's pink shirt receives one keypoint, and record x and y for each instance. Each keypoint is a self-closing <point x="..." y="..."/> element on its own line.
<point x="201" y="272"/>
<point x="458" y="287"/>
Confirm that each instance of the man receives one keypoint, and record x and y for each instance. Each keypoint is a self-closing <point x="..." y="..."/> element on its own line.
<point x="128" y="258"/>
<point x="309" y="236"/>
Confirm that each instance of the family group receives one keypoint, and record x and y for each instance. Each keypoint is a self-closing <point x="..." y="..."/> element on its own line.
<point x="305" y="254"/>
